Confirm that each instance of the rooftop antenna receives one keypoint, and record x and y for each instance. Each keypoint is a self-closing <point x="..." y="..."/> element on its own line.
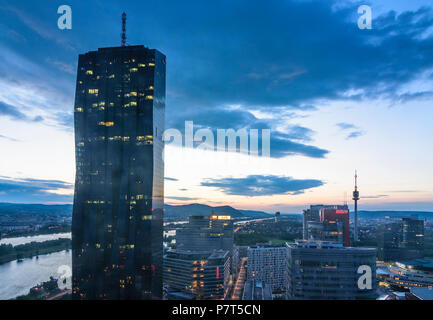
<point x="123" y="29"/>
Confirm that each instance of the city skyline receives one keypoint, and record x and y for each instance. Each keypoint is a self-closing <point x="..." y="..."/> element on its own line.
<point x="265" y="76"/>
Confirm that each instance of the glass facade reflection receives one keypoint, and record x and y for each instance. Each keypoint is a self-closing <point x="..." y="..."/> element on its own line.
<point x="119" y="186"/>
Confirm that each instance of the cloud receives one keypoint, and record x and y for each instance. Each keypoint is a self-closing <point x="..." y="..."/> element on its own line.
<point x="8" y="138"/>
<point x="181" y="198"/>
<point x="261" y="56"/>
<point x="41" y="28"/>
<point x="170" y="179"/>
<point x="68" y="68"/>
<point x="344" y="126"/>
<point x="354" y="134"/>
<point x="379" y="196"/>
<point x="13" y="113"/>
<point x="34" y="190"/>
<point x="262" y="185"/>
<point x="288" y="143"/>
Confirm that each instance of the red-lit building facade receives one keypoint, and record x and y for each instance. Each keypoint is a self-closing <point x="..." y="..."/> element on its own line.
<point x="339" y="217"/>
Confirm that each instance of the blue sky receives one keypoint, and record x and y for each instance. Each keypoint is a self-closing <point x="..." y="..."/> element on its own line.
<point x="335" y="97"/>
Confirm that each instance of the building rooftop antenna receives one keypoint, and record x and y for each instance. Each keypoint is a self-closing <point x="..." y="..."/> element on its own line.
<point x="123" y="29"/>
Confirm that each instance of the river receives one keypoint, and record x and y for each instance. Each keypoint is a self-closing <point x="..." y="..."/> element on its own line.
<point x="16" y="278"/>
<point x="39" y="238"/>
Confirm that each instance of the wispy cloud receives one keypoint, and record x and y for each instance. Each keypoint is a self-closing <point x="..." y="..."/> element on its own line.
<point x="8" y="138"/>
<point x="379" y="196"/>
<point x="354" y="134"/>
<point x="355" y="131"/>
<point x="181" y="198"/>
<point x="170" y="179"/>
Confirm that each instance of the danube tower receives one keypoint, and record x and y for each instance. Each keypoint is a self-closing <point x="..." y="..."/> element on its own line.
<point x="119" y="185"/>
<point x="356" y="198"/>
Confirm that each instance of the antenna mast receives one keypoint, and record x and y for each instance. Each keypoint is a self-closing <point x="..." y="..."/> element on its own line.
<point x="356" y="198"/>
<point x="123" y="29"/>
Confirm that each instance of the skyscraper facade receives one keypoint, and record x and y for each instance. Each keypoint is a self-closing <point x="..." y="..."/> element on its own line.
<point x="338" y="215"/>
<point x="313" y="215"/>
<point x="119" y="186"/>
<point x="206" y="233"/>
<point x="267" y="264"/>
<point x="327" y="223"/>
<point x="403" y="239"/>
<point x="323" y="270"/>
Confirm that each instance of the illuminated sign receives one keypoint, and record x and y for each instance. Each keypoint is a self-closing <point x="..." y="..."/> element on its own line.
<point x="341" y="211"/>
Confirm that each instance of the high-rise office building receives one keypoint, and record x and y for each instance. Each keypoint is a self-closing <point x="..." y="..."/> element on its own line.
<point x="326" y="231"/>
<point x="119" y="187"/>
<point x="277" y="216"/>
<point x="206" y="234"/>
<point x="338" y="215"/>
<point x="323" y="270"/>
<point x="413" y="233"/>
<point x="390" y="243"/>
<point x="313" y="215"/>
<point x="327" y="223"/>
<point x="267" y="264"/>
<point x="403" y="239"/>
<point x="196" y="274"/>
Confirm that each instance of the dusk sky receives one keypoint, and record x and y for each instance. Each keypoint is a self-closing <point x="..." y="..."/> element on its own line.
<point x="336" y="98"/>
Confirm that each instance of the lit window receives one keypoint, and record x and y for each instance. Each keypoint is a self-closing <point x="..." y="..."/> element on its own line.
<point x="149" y="97"/>
<point x="107" y="124"/>
<point x="89" y="72"/>
<point x="151" y="64"/>
<point x="133" y="69"/>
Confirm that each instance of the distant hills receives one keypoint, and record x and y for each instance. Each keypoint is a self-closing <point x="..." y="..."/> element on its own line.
<point x="10" y="209"/>
<point x="393" y="214"/>
<point x="171" y="211"/>
<point x="183" y="211"/>
<point x="195" y="209"/>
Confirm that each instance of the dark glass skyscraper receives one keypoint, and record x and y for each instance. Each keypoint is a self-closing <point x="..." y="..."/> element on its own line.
<point x="119" y="186"/>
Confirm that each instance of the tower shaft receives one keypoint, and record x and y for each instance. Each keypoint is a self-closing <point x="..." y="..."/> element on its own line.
<point x="356" y="198"/>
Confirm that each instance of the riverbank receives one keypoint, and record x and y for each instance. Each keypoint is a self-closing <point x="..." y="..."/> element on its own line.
<point x="45" y="230"/>
<point x="10" y="253"/>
